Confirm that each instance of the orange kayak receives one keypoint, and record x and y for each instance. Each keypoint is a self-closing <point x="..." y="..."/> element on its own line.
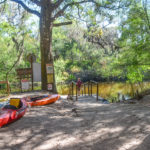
<point x="42" y="100"/>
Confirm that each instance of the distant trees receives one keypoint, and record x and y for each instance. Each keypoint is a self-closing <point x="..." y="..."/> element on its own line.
<point x="106" y="39"/>
<point x="135" y="41"/>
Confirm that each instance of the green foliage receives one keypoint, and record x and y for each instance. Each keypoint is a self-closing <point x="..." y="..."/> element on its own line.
<point x="135" y="43"/>
<point x="16" y="41"/>
<point x="89" y="53"/>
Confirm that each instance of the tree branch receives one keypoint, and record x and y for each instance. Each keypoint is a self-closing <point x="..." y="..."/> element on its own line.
<point x="62" y="24"/>
<point x="3" y="1"/>
<point x="19" y="46"/>
<point x="38" y="3"/>
<point x="27" y="8"/>
<point x="57" y="4"/>
<point x="59" y="13"/>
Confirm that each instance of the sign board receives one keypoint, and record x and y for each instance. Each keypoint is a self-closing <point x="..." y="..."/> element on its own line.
<point x="31" y="58"/>
<point x="24" y="71"/>
<point x="36" y="72"/>
<point x="49" y="87"/>
<point x="49" y="68"/>
<point x="49" y="78"/>
<point x="25" y="84"/>
<point x="3" y="82"/>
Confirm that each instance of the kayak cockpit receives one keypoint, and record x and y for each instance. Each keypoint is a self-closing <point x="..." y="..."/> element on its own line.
<point x="14" y="104"/>
<point x="36" y="98"/>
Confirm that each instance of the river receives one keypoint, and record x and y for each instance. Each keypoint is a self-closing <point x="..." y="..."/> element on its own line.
<point x="110" y="90"/>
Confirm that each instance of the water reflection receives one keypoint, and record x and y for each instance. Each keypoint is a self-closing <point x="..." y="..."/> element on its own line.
<point x="110" y="90"/>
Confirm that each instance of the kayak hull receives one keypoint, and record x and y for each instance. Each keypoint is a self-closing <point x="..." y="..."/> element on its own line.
<point x="45" y="101"/>
<point x="9" y="115"/>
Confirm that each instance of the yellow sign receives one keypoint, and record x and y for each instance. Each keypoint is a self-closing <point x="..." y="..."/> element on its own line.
<point x="50" y="78"/>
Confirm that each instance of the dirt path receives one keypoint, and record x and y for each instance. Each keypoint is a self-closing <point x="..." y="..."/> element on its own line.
<point x="83" y="125"/>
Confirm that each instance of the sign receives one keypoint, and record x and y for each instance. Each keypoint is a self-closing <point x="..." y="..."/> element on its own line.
<point x="31" y="58"/>
<point x="25" y="84"/>
<point x="24" y="71"/>
<point x="3" y="82"/>
<point x="36" y="72"/>
<point x="49" y="68"/>
<point x="50" y="78"/>
<point x="49" y="87"/>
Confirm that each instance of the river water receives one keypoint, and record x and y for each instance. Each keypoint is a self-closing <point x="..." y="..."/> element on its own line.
<point x="110" y="90"/>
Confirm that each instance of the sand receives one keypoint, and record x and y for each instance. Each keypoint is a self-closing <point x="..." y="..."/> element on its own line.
<point x="82" y="125"/>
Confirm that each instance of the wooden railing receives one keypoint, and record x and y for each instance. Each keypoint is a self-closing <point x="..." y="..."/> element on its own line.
<point x="89" y="85"/>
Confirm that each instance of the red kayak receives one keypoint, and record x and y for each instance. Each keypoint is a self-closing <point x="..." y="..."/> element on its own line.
<point x="42" y="100"/>
<point x="11" y="113"/>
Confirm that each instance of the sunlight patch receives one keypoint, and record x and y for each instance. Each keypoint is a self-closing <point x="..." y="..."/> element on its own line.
<point x="130" y="144"/>
<point x="57" y="142"/>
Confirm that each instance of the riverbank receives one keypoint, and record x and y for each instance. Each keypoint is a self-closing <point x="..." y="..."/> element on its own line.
<point x="82" y="125"/>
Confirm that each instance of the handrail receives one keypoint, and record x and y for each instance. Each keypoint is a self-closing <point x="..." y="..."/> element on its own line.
<point x="73" y="82"/>
<point x="93" y="81"/>
<point x="90" y="88"/>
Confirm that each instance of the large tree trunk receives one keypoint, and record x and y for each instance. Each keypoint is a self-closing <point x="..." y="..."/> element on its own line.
<point x="46" y="42"/>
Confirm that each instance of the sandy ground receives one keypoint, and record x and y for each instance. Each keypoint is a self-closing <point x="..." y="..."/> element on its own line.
<point x="82" y="125"/>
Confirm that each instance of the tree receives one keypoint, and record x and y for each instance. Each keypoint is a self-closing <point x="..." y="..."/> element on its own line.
<point x="13" y="34"/>
<point x="134" y="40"/>
<point x="49" y="11"/>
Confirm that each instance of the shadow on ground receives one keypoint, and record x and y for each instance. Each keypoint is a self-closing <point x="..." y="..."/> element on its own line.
<point x="83" y="125"/>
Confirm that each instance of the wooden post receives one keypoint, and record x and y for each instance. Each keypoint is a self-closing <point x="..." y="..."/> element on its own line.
<point x="76" y="93"/>
<point x="88" y="89"/>
<point x="97" y="91"/>
<point x="72" y="88"/>
<point x="84" y="90"/>
<point x="32" y="71"/>
<point x="20" y="85"/>
<point x="8" y="89"/>
<point x="91" y="88"/>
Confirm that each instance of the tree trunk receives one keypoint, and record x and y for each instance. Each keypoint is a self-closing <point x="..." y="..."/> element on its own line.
<point x="46" y="42"/>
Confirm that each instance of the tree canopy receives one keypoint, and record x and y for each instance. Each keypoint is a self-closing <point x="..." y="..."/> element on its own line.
<point x="105" y="40"/>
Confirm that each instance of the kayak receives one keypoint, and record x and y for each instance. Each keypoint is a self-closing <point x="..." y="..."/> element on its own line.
<point x="10" y="113"/>
<point x="42" y="100"/>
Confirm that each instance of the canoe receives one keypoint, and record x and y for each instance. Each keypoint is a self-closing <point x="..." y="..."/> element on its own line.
<point x="10" y="113"/>
<point x="42" y="100"/>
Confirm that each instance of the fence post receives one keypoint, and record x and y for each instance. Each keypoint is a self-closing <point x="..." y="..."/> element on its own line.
<point x="97" y="91"/>
<point x="88" y="89"/>
<point x="84" y="90"/>
<point x="76" y="93"/>
<point x="91" y="88"/>
<point x="8" y="88"/>
<point x="72" y="88"/>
